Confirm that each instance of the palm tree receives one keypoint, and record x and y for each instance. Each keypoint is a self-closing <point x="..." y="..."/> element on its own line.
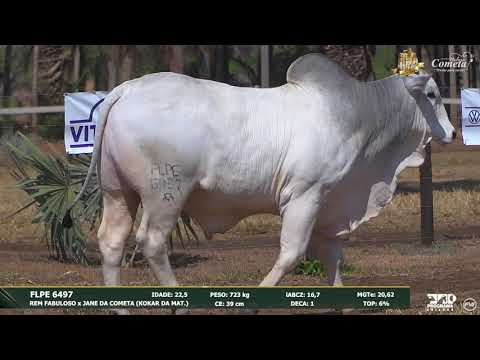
<point x="53" y="61"/>
<point x="355" y="59"/>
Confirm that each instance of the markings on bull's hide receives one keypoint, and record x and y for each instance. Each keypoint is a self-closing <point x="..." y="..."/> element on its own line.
<point x="166" y="179"/>
<point x="168" y="197"/>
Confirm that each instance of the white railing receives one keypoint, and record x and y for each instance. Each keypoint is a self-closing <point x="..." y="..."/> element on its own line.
<point x="451" y="101"/>
<point x="32" y="110"/>
<point x="61" y="108"/>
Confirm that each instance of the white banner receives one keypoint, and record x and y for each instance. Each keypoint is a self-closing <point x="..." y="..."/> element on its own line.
<point x="79" y="130"/>
<point x="471" y="116"/>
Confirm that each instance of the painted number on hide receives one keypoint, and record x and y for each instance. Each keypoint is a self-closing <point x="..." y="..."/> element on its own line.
<point x="166" y="180"/>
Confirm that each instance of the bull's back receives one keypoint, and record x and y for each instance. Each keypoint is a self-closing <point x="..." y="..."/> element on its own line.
<point x="224" y="138"/>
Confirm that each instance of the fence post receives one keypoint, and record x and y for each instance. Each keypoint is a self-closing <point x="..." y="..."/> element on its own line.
<point x="426" y="188"/>
<point x="426" y="198"/>
<point x="464" y="75"/>
<point x="453" y="90"/>
<point x="476" y="51"/>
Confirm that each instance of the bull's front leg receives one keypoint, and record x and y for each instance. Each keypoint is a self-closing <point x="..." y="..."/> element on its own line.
<point x="298" y="220"/>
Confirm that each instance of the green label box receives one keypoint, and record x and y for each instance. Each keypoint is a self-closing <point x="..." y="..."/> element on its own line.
<point x="197" y="297"/>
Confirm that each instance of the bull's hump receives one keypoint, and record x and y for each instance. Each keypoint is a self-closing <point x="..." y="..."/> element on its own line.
<point x="317" y="69"/>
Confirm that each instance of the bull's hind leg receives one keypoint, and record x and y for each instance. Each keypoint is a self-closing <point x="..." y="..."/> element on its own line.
<point x="158" y="221"/>
<point x="119" y="210"/>
<point x="153" y="234"/>
<point x="160" y="216"/>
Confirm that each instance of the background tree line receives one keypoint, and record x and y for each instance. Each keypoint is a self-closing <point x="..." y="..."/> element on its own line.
<point x="40" y="74"/>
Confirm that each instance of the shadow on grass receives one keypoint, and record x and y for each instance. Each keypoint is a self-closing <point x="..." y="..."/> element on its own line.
<point x="414" y="249"/>
<point x="179" y="260"/>
<point x="454" y="185"/>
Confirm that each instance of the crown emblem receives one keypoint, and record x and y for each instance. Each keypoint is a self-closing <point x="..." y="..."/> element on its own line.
<point x="407" y="63"/>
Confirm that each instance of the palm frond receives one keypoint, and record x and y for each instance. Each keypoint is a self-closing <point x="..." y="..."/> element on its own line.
<point x="51" y="191"/>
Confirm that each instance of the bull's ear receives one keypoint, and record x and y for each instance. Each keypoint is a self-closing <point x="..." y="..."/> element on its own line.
<point x="416" y="84"/>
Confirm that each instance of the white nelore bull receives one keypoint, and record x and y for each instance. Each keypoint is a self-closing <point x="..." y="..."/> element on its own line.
<point x="323" y="151"/>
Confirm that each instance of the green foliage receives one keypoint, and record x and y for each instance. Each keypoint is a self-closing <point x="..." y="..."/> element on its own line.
<point x="313" y="267"/>
<point x="346" y="269"/>
<point x="7" y="125"/>
<point x="90" y="55"/>
<point x="384" y="61"/>
<point x="310" y="267"/>
<point x="51" y="188"/>
<point x="150" y="59"/>
<point x="51" y="126"/>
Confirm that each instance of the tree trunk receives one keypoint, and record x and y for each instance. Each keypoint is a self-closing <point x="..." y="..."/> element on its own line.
<point x="7" y="90"/>
<point x="208" y="54"/>
<point x="265" y="60"/>
<point x="221" y="63"/>
<point x="176" y="62"/>
<point x="35" y="90"/>
<point x="464" y="76"/>
<point x="89" y="85"/>
<point x="112" y="66"/>
<point x="453" y="92"/>
<point x="76" y="67"/>
<point x="476" y="53"/>
<point x="54" y="72"/>
<point x="127" y="66"/>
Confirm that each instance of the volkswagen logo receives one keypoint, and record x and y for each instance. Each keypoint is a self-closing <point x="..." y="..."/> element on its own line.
<point x="474" y="116"/>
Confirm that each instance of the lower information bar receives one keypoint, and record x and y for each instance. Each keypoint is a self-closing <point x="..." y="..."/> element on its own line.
<point x="205" y="297"/>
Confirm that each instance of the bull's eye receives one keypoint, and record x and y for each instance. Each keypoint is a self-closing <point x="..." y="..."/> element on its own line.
<point x="431" y="95"/>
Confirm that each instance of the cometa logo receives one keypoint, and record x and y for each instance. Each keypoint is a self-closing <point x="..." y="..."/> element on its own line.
<point x="455" y="62"/>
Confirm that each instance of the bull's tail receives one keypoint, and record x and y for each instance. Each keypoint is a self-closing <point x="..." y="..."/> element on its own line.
<point x="108" y="102"/>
